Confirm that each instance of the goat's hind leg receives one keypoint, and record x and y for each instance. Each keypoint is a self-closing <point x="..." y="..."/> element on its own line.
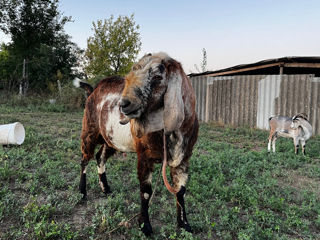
<point x="303" y="144"/>
<point x="179" y="177"/>
<point x="102" y="155"/>
<point x="87" y="149"/>
<point x="274" y="139"/>
<point x="269" y="143"/>
<point x="83" y="179"/>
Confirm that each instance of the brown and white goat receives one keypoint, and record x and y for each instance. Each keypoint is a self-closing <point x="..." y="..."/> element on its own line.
<point x="297" y="127"/>
<point x="133" y="115"/>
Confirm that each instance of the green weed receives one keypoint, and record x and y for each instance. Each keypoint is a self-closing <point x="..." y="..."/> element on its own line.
<point x="236" y="190"/>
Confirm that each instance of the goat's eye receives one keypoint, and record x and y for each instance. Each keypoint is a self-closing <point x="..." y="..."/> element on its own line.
<point x="157" y="78"/>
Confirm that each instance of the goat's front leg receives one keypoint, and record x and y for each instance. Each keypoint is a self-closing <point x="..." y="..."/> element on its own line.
<point x="145" y="168"/>
<point x="270" y="139"/>
<point x="296" y="146"/>
<point x="274" y="142"/>
<point x="179" y="177"/>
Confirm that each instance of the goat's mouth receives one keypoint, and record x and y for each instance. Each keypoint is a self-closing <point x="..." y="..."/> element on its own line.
<point x="130" y="113"/>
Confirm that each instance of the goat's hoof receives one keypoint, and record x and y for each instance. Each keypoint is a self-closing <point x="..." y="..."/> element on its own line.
<point x="107" y="191"/>
<point x="186" y="227"/>
<point x="146" y="228"/>
<point x="84" y="199"/>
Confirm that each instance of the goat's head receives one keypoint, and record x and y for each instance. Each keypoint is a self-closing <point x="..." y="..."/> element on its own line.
<point x="150" y="86"/>
<point x="296" y="123"/>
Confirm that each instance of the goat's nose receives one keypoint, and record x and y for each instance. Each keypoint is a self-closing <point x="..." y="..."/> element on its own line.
<point x="125" y="103"/>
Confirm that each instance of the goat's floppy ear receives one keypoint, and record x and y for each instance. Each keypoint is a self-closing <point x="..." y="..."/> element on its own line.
<point x="173" y="114"/>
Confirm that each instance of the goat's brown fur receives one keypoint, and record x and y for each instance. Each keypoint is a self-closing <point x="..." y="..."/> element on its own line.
<point x="149" y="96"/>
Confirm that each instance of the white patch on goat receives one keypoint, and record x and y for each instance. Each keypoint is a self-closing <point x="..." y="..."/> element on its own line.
<point x="76" y="82"/>
<point x="107" y="98"/>
<point x="177" y="153"/>
<point x="85" y="170"/>
<point x="146" y="196"/>
<point x="269" y="146"/>
<point x="120" y="135"/>
<point x="149" y="178"/>
<point x="102" y="165"/>
<point x="102" y="187"/>
<point x="154" y="121"/>
<point x="182" y="179"/>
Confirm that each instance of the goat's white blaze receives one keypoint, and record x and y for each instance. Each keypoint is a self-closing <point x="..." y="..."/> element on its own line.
<point x="120" y="135"/>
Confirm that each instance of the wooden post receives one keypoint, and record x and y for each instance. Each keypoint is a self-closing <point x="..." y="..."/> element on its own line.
<point x="59" y="87"/>
<point x="281" y="70"/>
<point x="22" y="82"/>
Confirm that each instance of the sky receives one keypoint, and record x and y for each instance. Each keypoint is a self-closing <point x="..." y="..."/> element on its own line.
<point x="232" y="32"/>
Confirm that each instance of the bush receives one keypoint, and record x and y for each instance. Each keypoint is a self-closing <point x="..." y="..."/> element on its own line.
<point x="70" y="99"/>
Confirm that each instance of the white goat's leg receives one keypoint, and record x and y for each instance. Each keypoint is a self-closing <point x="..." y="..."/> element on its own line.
<point x="271" y="134"/>
<point x="296" y="145"/>
<point x="269" y="145"/>
<point x="303" y="144"/>
<point x="274" y="143"/>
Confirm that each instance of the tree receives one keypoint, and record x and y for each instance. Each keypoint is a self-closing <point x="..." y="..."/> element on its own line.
<point x="37" y="32"/>
<point x="204" y="60"/>
<point x="114" y="46"/>
<point x="203" y="63"/>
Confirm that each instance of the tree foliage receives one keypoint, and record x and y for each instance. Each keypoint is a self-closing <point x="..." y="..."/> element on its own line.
<point x="204" y="60"/>
<point x="114" y="46"/>
<point x="203" y="64"/>
<point x="36" y="28"/>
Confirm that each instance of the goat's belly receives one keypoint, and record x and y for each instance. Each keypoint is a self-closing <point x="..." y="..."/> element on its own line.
<point x="284" y="134"/>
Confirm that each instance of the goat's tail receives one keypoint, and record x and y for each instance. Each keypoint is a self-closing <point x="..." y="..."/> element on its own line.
<point x="271" y="118"/>
<point x="86" y="86"/>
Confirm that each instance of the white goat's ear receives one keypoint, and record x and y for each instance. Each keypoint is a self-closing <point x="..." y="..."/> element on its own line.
<point x="173" y="114"/>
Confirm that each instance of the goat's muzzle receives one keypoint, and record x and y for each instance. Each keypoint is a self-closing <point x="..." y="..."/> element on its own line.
<point x="129" y="109"/>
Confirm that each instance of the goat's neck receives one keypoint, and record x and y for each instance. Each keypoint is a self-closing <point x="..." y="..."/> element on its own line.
<point x="307" y="129"/>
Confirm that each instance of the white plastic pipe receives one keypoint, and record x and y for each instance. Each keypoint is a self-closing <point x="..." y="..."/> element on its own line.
<point x="12" y="134"/>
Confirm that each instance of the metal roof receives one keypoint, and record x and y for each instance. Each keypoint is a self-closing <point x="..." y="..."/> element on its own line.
<point x="292" y="65"/>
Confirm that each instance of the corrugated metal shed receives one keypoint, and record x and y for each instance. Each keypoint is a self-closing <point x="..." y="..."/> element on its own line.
<point x="250" y="100"/>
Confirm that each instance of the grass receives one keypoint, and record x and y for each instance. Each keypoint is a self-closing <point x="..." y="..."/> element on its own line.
<point x="236" y="189"/>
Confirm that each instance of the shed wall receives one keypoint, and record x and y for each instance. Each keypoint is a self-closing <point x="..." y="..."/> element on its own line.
<point x="249" y="100"/>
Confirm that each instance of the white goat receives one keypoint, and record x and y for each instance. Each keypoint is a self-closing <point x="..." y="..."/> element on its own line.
<point x="297" y="127"/>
